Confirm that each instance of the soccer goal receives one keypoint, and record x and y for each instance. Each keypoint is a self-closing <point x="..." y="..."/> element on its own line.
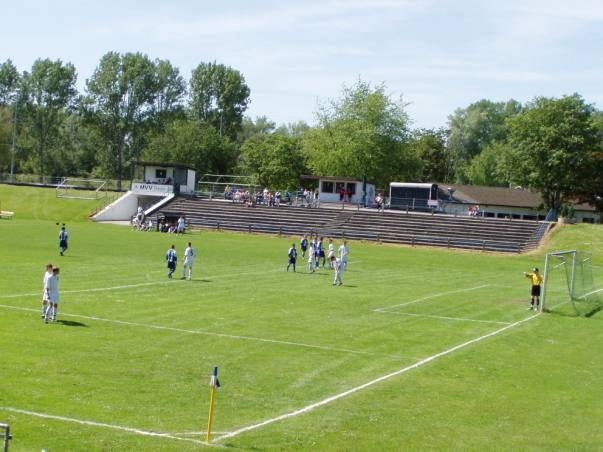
<point x="73" y="188"/>
<point x="569" y="286"/>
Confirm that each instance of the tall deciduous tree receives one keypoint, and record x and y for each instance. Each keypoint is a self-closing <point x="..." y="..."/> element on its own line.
<point x="474" y="128"/>
<point x="170" y="91"/>
<point x="275" y="160"/>
<point x="494" y="166"/>
<point x="219" y="97"/>
<point x="49" y="92"/>
<point x="9" y="81"/>
<point x="430" y="147"/>
<point x="125" y="93"/>
<point x="557" y="144"/>
<point x="362" y="135"/>
<point x="192" y="144"/>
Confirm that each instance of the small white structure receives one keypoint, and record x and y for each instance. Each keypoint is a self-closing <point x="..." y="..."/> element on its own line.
<point x="177" y="178"/>
<point x="162" y="182"/>
<point x="341" y="189"/>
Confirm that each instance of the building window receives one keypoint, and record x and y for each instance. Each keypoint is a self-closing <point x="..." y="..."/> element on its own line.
<point x="160" y="173"/>
<point x="327" y="187"/>
<point x="351" y="188"/>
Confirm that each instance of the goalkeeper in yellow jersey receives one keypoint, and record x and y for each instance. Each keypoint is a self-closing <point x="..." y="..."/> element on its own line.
<point x="536" y="279"/>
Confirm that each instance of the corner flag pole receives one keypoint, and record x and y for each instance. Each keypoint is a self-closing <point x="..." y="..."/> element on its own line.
<point x="214" y="383"/>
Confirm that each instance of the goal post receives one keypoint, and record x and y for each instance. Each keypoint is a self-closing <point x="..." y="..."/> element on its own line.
<point x="569" y="287"/>
<point x="81" y="188"/>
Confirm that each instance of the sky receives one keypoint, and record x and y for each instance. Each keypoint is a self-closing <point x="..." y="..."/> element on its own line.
<point x="435" y="56"/>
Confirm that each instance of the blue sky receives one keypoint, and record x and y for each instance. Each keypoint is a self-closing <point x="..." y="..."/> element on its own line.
<point x="436" y="55"/>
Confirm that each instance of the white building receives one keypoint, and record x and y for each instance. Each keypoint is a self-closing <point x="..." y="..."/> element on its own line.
<point x="157" y="185"/>
<point x="342" y="189"/>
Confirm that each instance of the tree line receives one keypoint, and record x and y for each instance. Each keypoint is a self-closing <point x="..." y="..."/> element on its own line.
<point x="136" y="109"/>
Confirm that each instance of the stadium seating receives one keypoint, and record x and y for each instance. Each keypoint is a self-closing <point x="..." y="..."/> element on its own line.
<point x="476" y="233"/>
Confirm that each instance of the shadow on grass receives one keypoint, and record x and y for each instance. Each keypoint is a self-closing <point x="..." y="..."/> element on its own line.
<point x="594" y="311"/>
<point x="587" y="315"/>
<point x="71" y="323"/>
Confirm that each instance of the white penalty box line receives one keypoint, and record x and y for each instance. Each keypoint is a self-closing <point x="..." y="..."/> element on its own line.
<point x="390" y="309"/>
<point x="162" y="282"/>
<point x="428" y="297"/>
<point x="368" y="384"/>
<point x="136" y="431"/>
<point x="202" y="333"/>
<point x="219" y="436"/>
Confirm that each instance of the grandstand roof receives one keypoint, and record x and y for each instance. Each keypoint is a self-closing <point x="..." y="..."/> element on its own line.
<point x="499" y="196"/>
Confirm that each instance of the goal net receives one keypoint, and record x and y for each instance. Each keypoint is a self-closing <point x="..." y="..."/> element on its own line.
<point x="73" y="188"/>
<point x="569" y="286"/>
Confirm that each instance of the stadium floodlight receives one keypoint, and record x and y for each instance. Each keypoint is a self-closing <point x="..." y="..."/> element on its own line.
<point x="569" y="286"/>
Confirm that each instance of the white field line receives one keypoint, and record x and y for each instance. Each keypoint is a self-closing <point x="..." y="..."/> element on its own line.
<point x="102" y="424"/>
<point x="590" y="293"/>
<point x="200" y="332"/>
<point x="161" y="282"/>
<point x="341" y="395"/>
<point x="458" y="319"/>
<point x="95" y="289"/>
<point x="439" y="294"/>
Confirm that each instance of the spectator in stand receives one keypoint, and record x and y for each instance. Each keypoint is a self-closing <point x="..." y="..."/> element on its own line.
<point x="379" y="202"/>
<point x="306" y="197"/>
<point x="180" y="226"/>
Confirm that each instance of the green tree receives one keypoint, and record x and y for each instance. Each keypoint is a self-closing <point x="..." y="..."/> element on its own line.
<point x="275" y="160"/>
<point x="10" y="106"/>
<point x="170" y="91"/>
<point x="123" y="95"/>
<point x="557" y="143"/>
<point x="429" y="146"/>
<point x="219" y="97"/>
<point x="494" y="166"/>
<point x="261" y="126"/>
<point x="474" y="128"/>
<point x="48" y="94"/>
<point x="592" y="190"/>
<point x="192" y="144"/>
<point x="9" y="82"/>
<point x="362" y="135"/>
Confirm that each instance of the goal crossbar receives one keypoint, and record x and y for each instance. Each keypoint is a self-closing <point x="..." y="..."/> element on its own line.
<point x="81" y="188"/>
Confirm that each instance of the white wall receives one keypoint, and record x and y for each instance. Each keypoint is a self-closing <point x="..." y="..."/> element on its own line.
<point x="125" y="207"/>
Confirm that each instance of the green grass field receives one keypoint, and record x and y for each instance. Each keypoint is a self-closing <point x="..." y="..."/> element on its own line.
<point x="420" y="349"/>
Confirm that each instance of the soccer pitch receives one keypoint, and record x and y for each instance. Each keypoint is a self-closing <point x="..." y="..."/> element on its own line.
<point x="419" y="349"/>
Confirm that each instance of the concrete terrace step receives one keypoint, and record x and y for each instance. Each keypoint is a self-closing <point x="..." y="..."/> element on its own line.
<point x="487" y="234"/>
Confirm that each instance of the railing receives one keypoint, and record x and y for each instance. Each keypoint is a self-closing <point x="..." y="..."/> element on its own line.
<point x="33" y="179"/>
<point x="543" y="228"/>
